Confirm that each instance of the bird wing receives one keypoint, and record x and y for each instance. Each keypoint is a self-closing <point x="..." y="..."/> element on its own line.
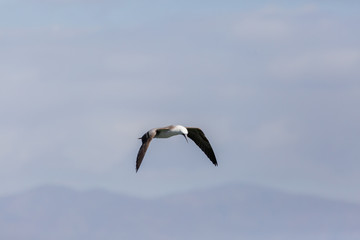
<point x="198" y="136"/>
<point x="146" y="139"/>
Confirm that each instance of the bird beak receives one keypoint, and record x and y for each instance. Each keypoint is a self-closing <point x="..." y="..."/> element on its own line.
<point x="185" y="138"/>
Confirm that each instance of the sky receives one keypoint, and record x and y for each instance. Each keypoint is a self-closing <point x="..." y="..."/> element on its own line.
<point x="274" y="85"/>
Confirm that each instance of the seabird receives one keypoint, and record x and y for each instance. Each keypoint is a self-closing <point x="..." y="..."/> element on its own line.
<point x="195" y="134"/>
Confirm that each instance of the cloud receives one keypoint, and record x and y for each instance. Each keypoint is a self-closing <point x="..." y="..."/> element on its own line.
<point x="339" y="65"/>
<point x="271" y="23"/>
<point x="272" y="135"/>
<point x="302" y="44"/>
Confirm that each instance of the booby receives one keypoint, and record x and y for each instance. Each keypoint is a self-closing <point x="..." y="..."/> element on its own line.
<point x="195" y="134"/>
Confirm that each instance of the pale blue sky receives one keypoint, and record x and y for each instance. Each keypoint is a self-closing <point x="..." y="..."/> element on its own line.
<point x="274" y="85"/>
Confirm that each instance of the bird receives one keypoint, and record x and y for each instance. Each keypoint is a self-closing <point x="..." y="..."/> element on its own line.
<point x="195" y="134"/>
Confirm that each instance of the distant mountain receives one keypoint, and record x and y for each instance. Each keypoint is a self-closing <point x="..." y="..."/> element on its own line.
<point x="228" y="212"/>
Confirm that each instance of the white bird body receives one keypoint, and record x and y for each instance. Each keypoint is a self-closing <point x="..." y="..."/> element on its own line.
<point x="170" y="131"/>
<point x="195" y="134"/>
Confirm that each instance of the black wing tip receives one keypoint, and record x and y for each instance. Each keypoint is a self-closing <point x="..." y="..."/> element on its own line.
<point x="137" y="166"/>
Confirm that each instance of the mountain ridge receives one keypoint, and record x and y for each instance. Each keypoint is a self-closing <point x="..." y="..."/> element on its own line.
<point x="230" y="211"/>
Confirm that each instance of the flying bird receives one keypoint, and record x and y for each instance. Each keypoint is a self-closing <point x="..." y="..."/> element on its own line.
<point x="195" y="134"/>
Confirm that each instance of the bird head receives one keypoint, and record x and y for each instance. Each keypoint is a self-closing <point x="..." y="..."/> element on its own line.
<point x="184" y="132"/>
